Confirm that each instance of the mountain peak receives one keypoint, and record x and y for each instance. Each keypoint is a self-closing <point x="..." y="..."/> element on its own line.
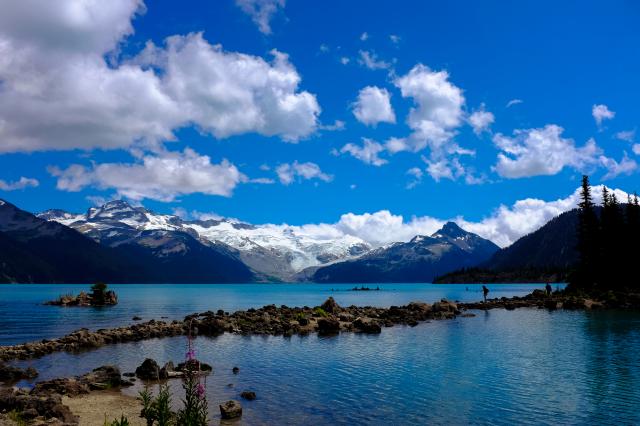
<point x="450" y="229"/>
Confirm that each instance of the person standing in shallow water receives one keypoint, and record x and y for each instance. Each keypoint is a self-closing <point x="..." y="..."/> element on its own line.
<point x="485" y="291"/>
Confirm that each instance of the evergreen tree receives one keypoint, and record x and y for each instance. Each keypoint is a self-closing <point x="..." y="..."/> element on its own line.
<point x="587" y="239"/>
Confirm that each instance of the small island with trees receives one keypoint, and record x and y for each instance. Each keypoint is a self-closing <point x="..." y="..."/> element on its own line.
<point x="99" y="296"/>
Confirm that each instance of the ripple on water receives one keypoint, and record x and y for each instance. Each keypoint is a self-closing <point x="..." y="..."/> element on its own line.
<point x="503" y="367"/>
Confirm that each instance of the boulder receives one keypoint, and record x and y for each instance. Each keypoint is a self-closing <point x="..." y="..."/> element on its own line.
<point x="168" y="371"/>
<point x="230" y="410"/>
<point x="445" y="306"/>
<point x="331" y="306"/>
<point x="148" y="370"/>
<point x="419" y="307"/>
<point x="328" y="326"/>
<point x="10" y="374"/>
<point x="105" y="377"/>
<point x="194" y="365"/>
<point x="248" y="395"/>
<point x="65" y="386"/>
<point x="367" y="325"/>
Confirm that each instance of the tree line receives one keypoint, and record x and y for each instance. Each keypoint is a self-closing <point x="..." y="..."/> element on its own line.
<point x="608" y="237"/>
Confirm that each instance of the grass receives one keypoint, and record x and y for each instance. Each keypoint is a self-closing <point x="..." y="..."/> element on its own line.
<point x="16" y="416"/>
<point x="321" y="312"/>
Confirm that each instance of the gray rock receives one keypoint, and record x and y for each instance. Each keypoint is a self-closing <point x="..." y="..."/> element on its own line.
<point x="231" y="410"/>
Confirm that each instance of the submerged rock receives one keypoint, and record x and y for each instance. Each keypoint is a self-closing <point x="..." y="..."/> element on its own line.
<point x="248" y="395"/>
<point x="231" y="410"/>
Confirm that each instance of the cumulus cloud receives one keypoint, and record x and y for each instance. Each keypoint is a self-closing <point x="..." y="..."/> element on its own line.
<point x="444" y="169"/>
<point x="364" y="36"/>
<point x="159" y="177"/>
<point x="261" y="12"/>
<point x="503" y="226"/>
<point x="228" y="93"/>
<point x="541" y="151"/>
<point x="481" y="120"/>
<point x="602" y="112"/>
<point x="59" y="92"/>
<point x="344" y="60"/>
<point x="395" y="39"/>
<point x="368" y="153"/>
<point x="373" y="106"/>
<point x="371" y="61"/>
<point x="437" y="112"/>
<point x="22" y="183"/>
<point x="287" y="173"/>
<point x="636" y="148"/>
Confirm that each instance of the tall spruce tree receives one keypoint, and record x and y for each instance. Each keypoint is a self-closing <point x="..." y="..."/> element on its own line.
<point x="585" y="276"/>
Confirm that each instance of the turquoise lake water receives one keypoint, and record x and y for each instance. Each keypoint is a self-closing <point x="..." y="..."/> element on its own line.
<point x="500" y="367"/>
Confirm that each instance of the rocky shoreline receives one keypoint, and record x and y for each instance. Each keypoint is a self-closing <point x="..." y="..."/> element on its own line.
<point x="328" y="318"/>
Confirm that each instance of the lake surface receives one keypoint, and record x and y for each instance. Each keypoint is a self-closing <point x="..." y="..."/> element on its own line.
<point x="24" y="318"/>
<point x="500" y="367"/>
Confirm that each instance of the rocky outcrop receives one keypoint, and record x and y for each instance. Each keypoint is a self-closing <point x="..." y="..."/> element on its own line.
<point x="83" y="300"/>
<point x="9" y="374"/>
<point x="230" y="410"/>
<point x="286" y="321"/>
<point x="44" y="401"/>
<point x="30" y="405"/>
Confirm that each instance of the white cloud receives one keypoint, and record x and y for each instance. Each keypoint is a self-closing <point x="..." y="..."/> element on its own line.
<point x="59" y="92"/>
<point x="371" y="61"/>
<point x="395" y="39"/>
<point x="437" y="112"/>
<point x="261" y="12"/>
<point x="626" y="135"/>
<point x="636" y="148"/>
<point x="601" y="112"/>
<point x="337" y="125"/>
<point x="541" y="151"/>
<point x="444" y="169"/>
<point x="159" y="177"/>
<point x="373" y="106"/>
<point x="228" y="93"/>
<point x="367" y="153"/>
<point x="364" y="36"/>
<point x="481" y="120"/>
<point x="417" y="174"/>
<point x="22" y="183"/>
<point x="287" y="173"/>
<point x="513" y="102"/>
<point x="626" y="166"/>
<point x="383" y="227"/>
<point x="503" y="226"/>
<point x="344" y="60"/>
<point x="324" y="48"/>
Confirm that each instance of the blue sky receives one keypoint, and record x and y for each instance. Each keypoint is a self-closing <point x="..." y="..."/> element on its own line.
<point x="119" y="113"/>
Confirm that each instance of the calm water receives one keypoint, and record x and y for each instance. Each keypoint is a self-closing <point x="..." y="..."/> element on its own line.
<point x="501" y="367"/>
<point x="24" y="318"/>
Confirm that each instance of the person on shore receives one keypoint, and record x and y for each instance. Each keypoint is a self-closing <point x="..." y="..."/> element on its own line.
<point x="485" y="291"/>
<point x="548" y="289"/>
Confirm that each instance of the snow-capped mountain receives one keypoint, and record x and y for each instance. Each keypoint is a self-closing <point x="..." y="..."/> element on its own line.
<point x="278" y="251"/>
<point x="419" y="260"/>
